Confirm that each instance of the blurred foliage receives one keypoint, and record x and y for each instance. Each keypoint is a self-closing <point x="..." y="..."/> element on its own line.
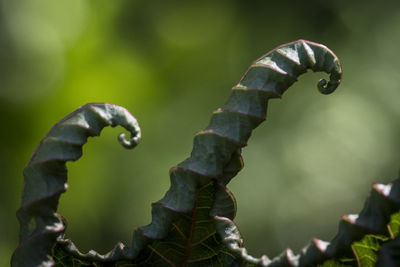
<point x="171" y="63"/>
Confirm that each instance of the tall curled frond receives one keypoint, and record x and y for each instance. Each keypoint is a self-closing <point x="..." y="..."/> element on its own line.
<point x="216" y="157"/>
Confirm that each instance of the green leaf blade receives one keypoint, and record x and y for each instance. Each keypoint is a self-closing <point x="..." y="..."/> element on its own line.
<point x="366" y="250"/>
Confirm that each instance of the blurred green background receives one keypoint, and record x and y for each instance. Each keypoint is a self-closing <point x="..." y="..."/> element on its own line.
<point x="171" y="63"/>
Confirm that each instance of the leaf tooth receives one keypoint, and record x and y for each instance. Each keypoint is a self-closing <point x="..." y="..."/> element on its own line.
<point x="147" y="235"/>
<point x="309" y="59"/>
<point x="268" y="63"/>
<point x="351" y="218"/>
<point x="287" y="58"/>
<point x="194" y="170"/>
<point x="234" y="165"/>
<point x="318" y="52"/>
<point x="287" y="258"/>
<point x="24" y="256"/>
<point x="39" y="227"/>
<point x="200" y="177"/>
<point x="384" y="189"/>
<point x="224" y="204"/>
<point x="156" y="230"/>
<point x="41" y="204"/>
<point x="80" y="121"/>
<point x="209" y="155"/>
<point x="349" y="231"/>
<point x="290" y="53"/>
<point x="55" y="149"/>
<point x="64" y="139"/>
<point x="34" y="162"/>
<point x="250" y="102"/>
<point x="181" y="194"/>
<point x="226" y="137"/>
<point x="98" y="116"/>
<point x="76" y="126"/>
<point x="377" y="210"/>
<point x="314" y="253"/>
<point x="266" y="78"/>
<point x="265" y="261"/>
<point x="234" y="126"/>
<point x="252" y="117"/>
<point x="394" y="195"/>
<point x="292" y="258"/>
<point x="268" y="92"/>
<point x="330" y="64"/>
<point x="321" y="244"/>
<point x="39" y="191"/>
<point x="74" y="133"/>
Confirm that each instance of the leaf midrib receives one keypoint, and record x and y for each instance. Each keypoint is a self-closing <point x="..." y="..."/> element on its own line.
<point x="192" y="224"/>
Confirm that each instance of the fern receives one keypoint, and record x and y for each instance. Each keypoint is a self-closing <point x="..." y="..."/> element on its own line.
<point x="192" y="225"/>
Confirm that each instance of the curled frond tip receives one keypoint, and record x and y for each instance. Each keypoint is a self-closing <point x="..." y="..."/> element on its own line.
<point x="132" y="142"/>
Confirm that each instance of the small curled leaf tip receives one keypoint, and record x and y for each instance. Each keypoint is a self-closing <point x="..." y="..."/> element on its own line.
<point x="132" y="142"/>
<point x="325" y="87"/>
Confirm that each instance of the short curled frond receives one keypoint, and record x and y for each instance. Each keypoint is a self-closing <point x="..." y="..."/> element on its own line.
<point x="46" y="178"/>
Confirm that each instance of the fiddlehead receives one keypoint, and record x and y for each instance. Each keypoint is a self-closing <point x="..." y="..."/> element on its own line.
<point x="215" y="157"/>
<point x="46" y="179"/>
